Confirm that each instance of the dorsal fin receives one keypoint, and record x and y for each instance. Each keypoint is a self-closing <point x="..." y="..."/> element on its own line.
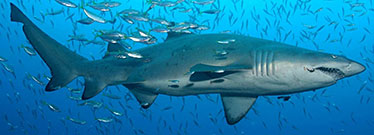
<point x="113" y="49"/>
<point x="173" y="34"/>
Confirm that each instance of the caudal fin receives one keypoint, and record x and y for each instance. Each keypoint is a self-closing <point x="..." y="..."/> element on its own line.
<point x="65" y="65"/>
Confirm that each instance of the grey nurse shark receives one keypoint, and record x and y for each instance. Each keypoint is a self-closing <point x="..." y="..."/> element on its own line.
<point x="239" y="68"/>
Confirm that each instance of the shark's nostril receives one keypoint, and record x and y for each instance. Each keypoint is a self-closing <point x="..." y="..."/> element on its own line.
<point x="355" y="68"/>
<point x="349" y="66"/>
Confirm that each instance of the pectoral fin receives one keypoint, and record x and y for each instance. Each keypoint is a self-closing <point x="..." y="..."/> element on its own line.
<point x="236" y="107"/>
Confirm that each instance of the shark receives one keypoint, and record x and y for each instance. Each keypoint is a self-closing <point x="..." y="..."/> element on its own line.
<point x="239" y="68"/>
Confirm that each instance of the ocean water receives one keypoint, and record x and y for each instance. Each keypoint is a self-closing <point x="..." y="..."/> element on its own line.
<point x="342" y="27"/>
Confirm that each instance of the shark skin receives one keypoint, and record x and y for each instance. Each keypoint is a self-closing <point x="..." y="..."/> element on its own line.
<point x="188" y="64"/>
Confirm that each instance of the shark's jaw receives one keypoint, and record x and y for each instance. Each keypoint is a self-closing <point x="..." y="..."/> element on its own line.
<point x="333" y="72"/>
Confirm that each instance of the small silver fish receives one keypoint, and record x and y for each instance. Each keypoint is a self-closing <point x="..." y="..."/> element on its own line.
<point x="8" y="68"/>
<point x="179" y="27"/>
<point x="134" y="55"/>
<point x="160" y="29"/>
<point x="53" y="12"/>
<point x="138" y="17"/>
<point x="164" y="3"/>
<point x="110" y="4"/>
<point x="92" y="103"/>
<point x="203" y="2"/>
<point x="93" y="16"/>
<point x="104" y="120"/>
<point x="129" y="12"/>
<point x="111" y="36"/>
<point x="139" y="38"/>
<point x="51" y="106"/>
<point x="86" y="21"/>
<point x="127" y="19"/>
<point x="67" y="3"/>
<point x="186" y="10"/>
<point x="203" y="27"/>
<point x="161" y="21"/>
<point x="99" y="7"/>
<point x="37" y="80"/>
<point x="74" y="91"/>
<point x="30" y="51"/>
<point x="2" y="59"/>
<point x="143" y="33"/>
<point x="77" y="121"/>
<point x="75" y="98"/>
<point x="211" y="11"/>
<point x="117" y="113"/>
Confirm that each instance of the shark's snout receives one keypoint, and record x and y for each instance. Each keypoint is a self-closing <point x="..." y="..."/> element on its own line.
<point x="353" y="68"/>
<point x="341" y="68"/>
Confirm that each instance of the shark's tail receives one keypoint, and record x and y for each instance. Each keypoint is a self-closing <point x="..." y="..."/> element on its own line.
<point x="65" y="65"/>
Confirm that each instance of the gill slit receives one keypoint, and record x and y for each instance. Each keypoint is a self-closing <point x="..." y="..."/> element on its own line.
<point x="259" y="63"/>
<point x="254" y="63"/>
<point x="264" y="63"/>
<point x="272" y="64"/>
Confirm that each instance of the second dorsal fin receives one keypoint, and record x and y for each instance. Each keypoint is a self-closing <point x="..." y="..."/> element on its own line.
<point x="115" y="47"/>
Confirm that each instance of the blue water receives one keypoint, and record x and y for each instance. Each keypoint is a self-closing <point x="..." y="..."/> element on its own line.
<point x="345" y="108"/>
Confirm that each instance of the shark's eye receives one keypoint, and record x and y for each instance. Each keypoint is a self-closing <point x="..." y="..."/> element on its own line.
<point x="334" y="56"/>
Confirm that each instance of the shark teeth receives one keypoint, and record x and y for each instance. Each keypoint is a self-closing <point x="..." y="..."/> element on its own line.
<point x="334" y="72"/>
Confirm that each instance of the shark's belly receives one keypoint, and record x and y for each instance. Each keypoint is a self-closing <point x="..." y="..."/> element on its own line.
<point x="237" y="84"/>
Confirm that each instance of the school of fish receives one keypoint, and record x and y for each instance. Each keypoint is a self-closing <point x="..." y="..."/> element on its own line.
<point x="135" y="26"/>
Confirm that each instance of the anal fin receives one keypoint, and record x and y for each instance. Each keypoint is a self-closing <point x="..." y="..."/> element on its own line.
<point x="236" y="107"/>
<point x="92" y="88"/>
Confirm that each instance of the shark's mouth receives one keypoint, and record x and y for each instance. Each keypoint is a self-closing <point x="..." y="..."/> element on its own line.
<point x="334" y="72"/>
